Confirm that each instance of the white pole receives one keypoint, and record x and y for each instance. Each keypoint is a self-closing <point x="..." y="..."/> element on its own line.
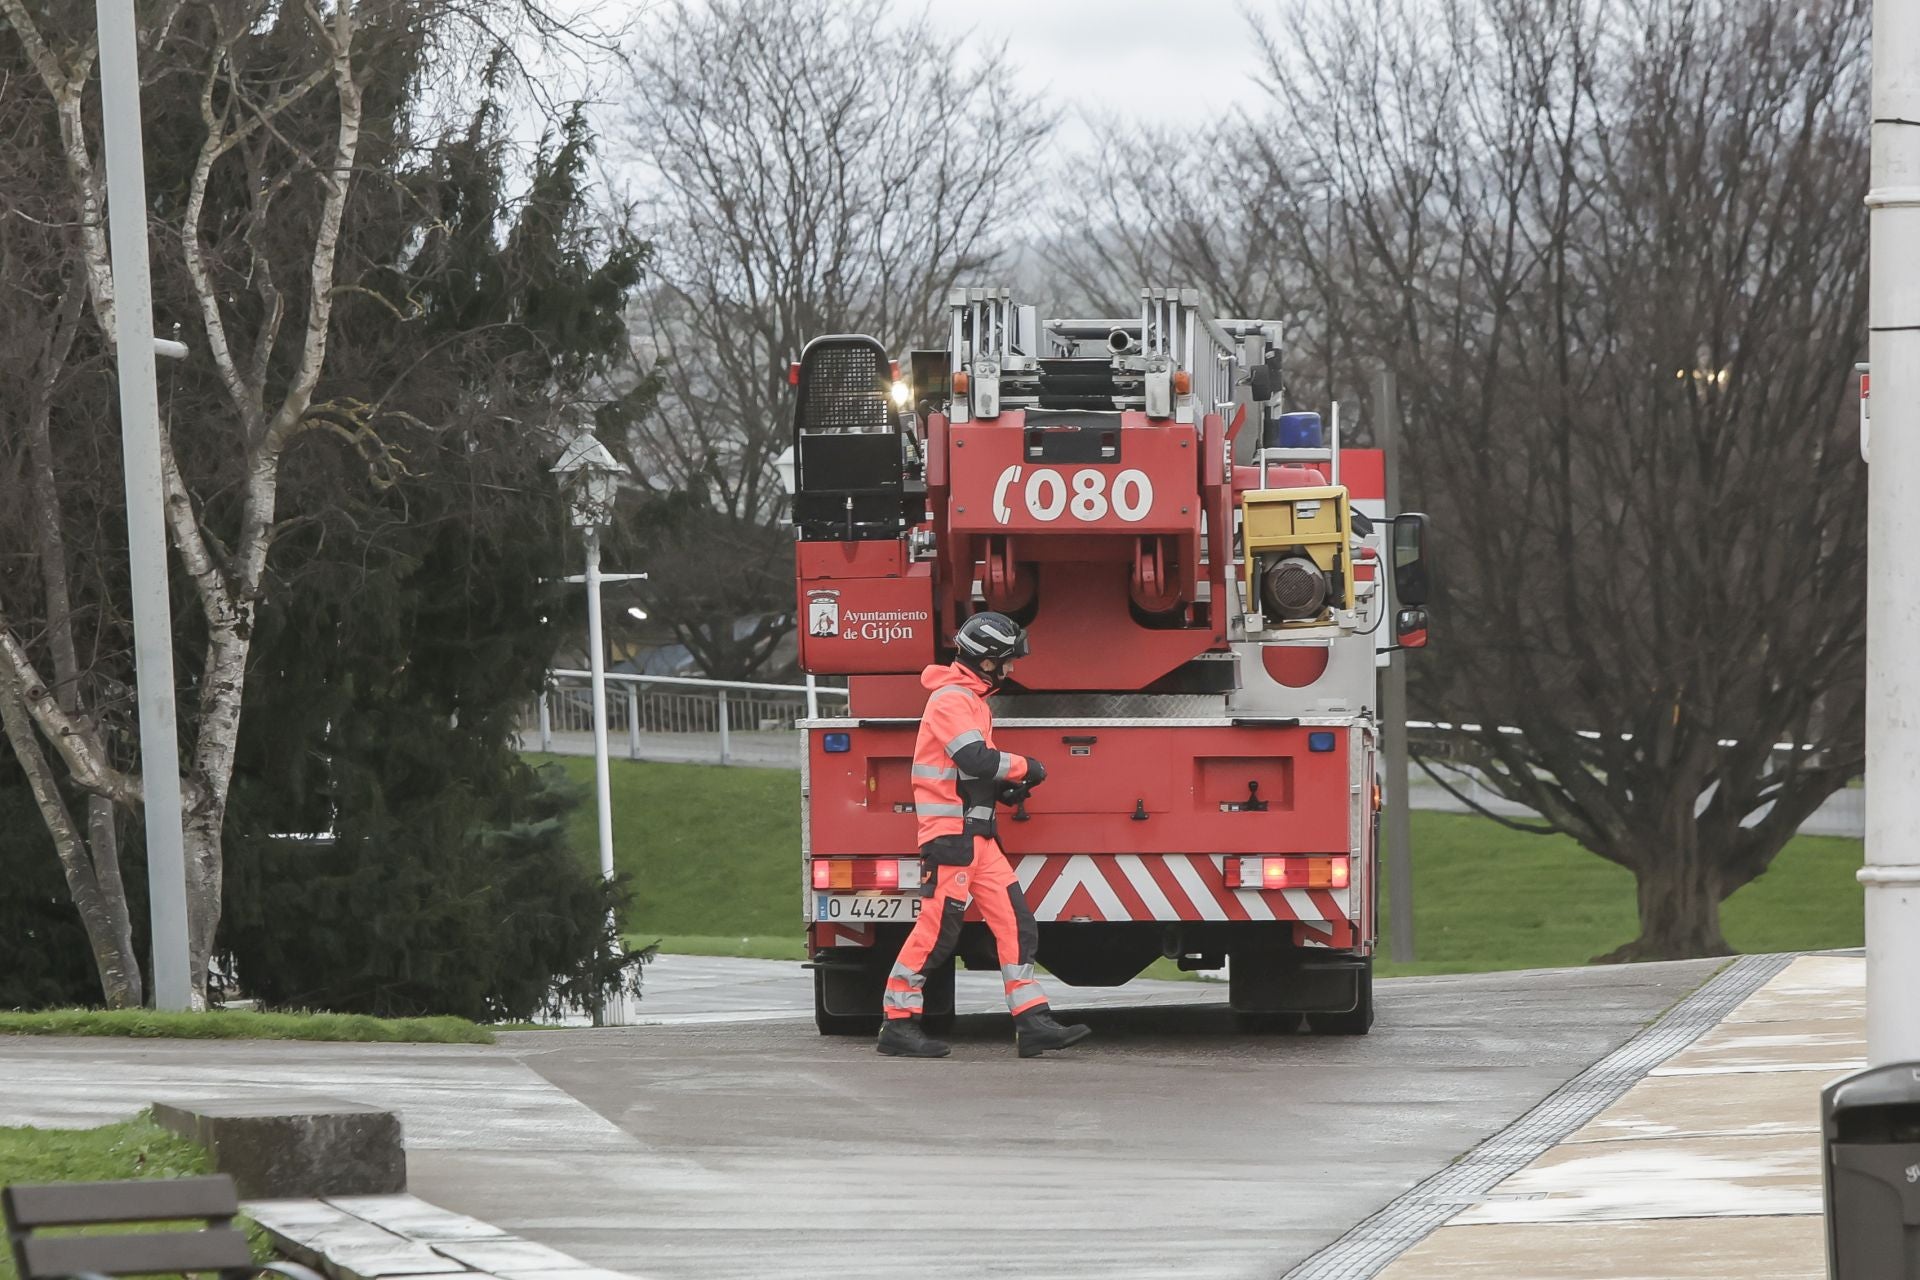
<point x="1396" y="826"/>
<point x="1892" y="871"/>
<point x="146" y="524"/>
<point x="633" y="722"/>
<point x="813" y="698"/>
<point x="610" y="1010"/>
<point x="597" y="664"/>
<point x="546" y="723"/>
<point x="1334" y="468"/>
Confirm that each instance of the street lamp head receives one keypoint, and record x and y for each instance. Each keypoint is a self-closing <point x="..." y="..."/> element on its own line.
<point x="591" y="476"/>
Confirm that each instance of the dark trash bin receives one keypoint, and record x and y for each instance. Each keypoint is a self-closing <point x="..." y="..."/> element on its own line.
<point x="1870" y="1139"/>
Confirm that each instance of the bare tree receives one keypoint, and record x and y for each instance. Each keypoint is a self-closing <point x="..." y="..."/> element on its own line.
<point x="41" y="316"/>
<point x="263" y="120"/>
<point x="807" y="167"/>
<point x="1610" y="250"/>
<point x="269" y="383"/>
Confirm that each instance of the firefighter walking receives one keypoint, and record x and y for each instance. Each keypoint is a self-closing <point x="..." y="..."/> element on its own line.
<point x="959" y="776"/>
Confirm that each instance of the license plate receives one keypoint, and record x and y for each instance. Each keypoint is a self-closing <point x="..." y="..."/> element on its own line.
<point x="867" y="907"/>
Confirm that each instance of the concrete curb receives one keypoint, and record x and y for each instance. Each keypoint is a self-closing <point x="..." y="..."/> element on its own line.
<point x="1376" y="1241"/>
<point x="376" y="1237"/>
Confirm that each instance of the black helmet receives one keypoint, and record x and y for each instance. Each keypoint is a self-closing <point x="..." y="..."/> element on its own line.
<point x="989" y="635"/>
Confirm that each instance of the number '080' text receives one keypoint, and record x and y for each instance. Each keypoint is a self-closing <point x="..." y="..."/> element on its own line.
<point x="1047" y="495"/>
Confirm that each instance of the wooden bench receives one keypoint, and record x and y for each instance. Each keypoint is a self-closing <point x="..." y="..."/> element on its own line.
<point x="218" y="1248"/>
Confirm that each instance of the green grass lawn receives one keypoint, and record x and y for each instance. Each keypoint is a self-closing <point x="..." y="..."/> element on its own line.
<point x="714" y="856"/>
<point x="242" y="1024"/>
<point x="135" y="1148"/>
<point x="1487" y="897"/>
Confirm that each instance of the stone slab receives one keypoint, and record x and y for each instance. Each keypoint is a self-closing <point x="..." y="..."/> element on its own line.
<point x="341" y="1245"/>
<point x="1764" y="1248"/>
<point x="293" y="1145"/>
<point x="1818" y="1044"/>
<point x="494" y="1256"/>
<point x="1705" y="1106"/>
<point x="1671" y="1178"/>
<point x="414" y="1218"/>
<point x="1812" y="987"/>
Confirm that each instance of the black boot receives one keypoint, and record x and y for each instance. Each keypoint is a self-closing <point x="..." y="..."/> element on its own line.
<point x="1035" y="1032"/>
<point x="903" y="1038"/>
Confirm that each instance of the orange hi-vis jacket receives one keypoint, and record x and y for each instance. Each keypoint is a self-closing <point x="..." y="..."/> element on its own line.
<point x="957" y="771"/>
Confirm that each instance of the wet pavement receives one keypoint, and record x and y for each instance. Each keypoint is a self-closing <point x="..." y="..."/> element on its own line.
<point x="1707" y="1169"/>
<point x="735" y="1142"/>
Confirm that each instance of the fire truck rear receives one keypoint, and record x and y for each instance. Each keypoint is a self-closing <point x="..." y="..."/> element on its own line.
<point x="1204" y="588"/>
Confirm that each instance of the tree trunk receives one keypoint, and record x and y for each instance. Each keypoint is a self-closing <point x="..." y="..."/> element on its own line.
<point x="102" y="909"/>
<point x="201" y="832"/>
<point x="103" y="838"/>
<point x="1679" y="894"/>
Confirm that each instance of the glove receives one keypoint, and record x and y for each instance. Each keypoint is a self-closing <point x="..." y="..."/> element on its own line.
<point x="1013" y="794"/>
<point x="1036" y="773"/>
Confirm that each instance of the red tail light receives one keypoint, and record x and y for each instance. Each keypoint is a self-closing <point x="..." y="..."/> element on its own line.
<point x="851" y="874"/>
<point x="1290" y="871"/>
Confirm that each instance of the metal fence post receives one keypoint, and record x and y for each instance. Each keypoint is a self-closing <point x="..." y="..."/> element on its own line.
<point x="546" y="724"/>
<point x="726" y="739"/>
<point x="633" y="722"/>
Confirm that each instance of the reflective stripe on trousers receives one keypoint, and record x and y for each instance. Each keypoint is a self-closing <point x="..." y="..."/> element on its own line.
<point x="990" y="882"/>
<point x="904" y="996"/>
<point x="1023" y="993"/>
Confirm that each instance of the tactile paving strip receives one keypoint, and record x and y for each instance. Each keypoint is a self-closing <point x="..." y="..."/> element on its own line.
<point x="1376" y="1241"/>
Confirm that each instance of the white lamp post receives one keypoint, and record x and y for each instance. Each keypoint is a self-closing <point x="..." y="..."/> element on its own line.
<point x="591" y="476"/>
<point x="1892" y="870"/>
<point x="146" y="521"/>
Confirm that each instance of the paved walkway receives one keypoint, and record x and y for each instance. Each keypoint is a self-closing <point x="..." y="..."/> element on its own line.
<point x="752" y="747"/>
<point x="1708" y="1169"/>
<point x="736" y="1143"/>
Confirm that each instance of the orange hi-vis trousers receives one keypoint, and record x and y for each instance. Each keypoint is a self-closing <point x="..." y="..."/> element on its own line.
<point x="990" y="881"/>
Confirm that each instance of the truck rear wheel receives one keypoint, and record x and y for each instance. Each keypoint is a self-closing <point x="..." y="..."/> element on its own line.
<point x="847" y="994"/>
<point x="847" y="986"/>
<point x="1356" y="1021"/>
<point x="833" y="989"/>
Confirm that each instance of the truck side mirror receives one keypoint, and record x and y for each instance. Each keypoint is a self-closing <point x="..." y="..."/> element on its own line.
<point x="1410" y="559"/>
<point x="1410" y="628"/>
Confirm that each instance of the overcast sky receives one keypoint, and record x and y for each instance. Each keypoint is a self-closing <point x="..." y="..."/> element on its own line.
<point x="1177" y="61"/>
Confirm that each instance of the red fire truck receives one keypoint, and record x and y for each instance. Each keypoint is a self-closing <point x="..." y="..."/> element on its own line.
<point x="1204" y="588"/>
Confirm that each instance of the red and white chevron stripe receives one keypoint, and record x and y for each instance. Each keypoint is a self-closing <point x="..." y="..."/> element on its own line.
<point x="845" y="935"/>
<point x="1113" y="887"/>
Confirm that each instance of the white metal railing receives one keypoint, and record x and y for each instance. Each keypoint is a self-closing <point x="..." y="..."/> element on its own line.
<point x="676" y="718"/>
<point x="685" y="719"/>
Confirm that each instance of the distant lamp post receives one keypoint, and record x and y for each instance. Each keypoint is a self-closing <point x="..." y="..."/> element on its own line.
<point x="591" y="477"/>
<point x="787" y="467"/>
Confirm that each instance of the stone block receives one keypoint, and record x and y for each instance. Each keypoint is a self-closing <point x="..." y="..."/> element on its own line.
<point x="295" y="1146"/>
